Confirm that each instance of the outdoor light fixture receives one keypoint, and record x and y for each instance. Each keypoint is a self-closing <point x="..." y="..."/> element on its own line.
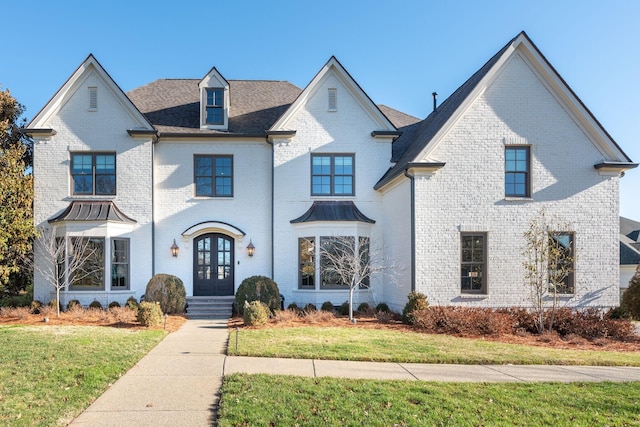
<point x="174" y="248"/>
<point x="250" y="248"/>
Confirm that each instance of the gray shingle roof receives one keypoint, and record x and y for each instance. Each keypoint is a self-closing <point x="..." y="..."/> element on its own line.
<point x="629" y="255"/>
<point x="630" y="228"/>
<point x="173" y="105"/>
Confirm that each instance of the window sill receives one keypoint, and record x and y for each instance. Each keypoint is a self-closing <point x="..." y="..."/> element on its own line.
<point x="474" y="296"/>
<point x="518" y="199"/>
<point x="213" y="197"/>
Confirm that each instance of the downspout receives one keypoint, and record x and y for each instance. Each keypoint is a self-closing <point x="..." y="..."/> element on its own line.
<point x="153" y="209"/>
<point x="413" y="228"/>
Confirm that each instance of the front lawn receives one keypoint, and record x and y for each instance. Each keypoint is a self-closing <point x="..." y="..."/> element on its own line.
<point x="49" y="374"/>
<point x="264" y="400"/>
<point x="350" y="343"/>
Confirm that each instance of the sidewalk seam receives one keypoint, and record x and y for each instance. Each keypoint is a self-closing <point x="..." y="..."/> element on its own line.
<point x="408" y="371"/>
<point x="313" y="363"/>
<point x="504" y="373"/>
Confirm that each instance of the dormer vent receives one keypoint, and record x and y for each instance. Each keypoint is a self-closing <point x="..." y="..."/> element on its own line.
<point x="93" y="98"/>
<point x="333" y="99"/>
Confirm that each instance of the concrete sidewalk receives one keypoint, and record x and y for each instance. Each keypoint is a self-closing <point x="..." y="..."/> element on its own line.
<point x="177" y="383"/>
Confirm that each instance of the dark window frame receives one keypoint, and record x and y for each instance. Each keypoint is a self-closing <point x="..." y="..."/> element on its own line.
<point x="333" y="175"/>
<point x="214" y="176"/>
<point x="126" y="263"/>
<point x="307" y="263"/>
<point x="468" y="265"/>
<point x="80" y="284"/>
<point x="511" y="174"/>
<point x="94" y="175"/>
<point x="569" y="286"/>
<point x="217" y="105"/>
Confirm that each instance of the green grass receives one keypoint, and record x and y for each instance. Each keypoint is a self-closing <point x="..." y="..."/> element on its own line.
<point x="49" y="374"/>
<point x="263" y="400"/>
<point x="344" y="343"/>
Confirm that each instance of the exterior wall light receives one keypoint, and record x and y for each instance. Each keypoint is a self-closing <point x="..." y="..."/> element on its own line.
<point x="250" y="248"/>
<point x="174" y="249"/>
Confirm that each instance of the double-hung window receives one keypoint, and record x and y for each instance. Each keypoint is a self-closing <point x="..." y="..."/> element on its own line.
<point x="473" y="254"/>
<point x="119" y="264"/>
<point x="561" y="263"/>
<point x="93" y="173"/>
<point x="307" y="262"/>
<point x="215" y="106"/>
<point x="517" y="174"/>
<point x="214" y="176"/>
<point x="332" y="174"/>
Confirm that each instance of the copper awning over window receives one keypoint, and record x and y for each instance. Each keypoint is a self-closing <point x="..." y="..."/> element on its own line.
<point x="333" y="211"/>
<point x="92" y="210"/>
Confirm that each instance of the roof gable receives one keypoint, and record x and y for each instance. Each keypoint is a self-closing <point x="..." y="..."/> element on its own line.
<point x="334" y="68"/>
<point x="421" y="139"/>
<point x="90" y="68"/>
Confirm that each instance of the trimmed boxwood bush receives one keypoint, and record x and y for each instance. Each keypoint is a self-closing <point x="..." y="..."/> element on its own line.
<point x="327" y="306"/>
<point x="255" y="313"/>
<point x="310" y="307"/>
<point x="417" y="301"/>
<point x="95" y="304"/>
<point x="72" y="304"/>
<point x="168" y="291"/>
<point x="343" y="310"/>
<point x="132" y="304"/>
<point x="364" y="308"/>
<point x="114" y="304"/>
<point x="382" y="307"/>
<point x="258" y="288"/>
<point x="150" y="313"/>
<point x="35" y="306"/>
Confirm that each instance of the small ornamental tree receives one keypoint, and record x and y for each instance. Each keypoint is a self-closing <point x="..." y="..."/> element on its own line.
<point x="548" y="266"/>
<point x="630" y="303"/>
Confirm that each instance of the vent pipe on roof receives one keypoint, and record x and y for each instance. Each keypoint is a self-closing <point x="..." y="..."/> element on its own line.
<point x="435" y="97"/>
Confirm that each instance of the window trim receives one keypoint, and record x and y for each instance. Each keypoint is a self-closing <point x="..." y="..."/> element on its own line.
<point x="85" y="288"/>
<point x="332" y="175"/>
<point x="526" y="173"/>
<point x="114" y="263"/>
<point x="94" y="173"/>
<point x="213" y="176"/>
<point x="302" y="264"/>
<point x="484" y="286"/>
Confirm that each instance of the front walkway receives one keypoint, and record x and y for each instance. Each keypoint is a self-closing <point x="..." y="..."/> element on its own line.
<point x="177" y="383"/>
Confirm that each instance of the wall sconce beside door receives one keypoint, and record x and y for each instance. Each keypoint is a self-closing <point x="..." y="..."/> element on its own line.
<point x="250" y="248"/>
<point x="174" y="249"/>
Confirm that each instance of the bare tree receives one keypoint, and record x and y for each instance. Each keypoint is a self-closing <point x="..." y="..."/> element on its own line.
<point x="350" y="262"/>
<point x="549" y="265"/>
<point x="62" y="260"/>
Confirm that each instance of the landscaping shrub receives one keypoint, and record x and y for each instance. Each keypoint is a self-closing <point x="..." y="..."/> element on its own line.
<point x="463" y="321"/>
<point x="255" y="313"/>
<point x="114" y="304"/>
<point x="310" y="307"/>
<point x="73" y="304"/>
<point x="15" y="312"/>
<point x="54" y="303"/>
<point x="327" y="306"/>
<point x="382" y="307"/>
<point x="168" y="291"/>
<point x="285" y="316"/>
<point x="150" y="314"/>
<point x="258" y="288"/>
<point x="385" y="316"/>
<point x="417" y="301"/>
<point x="47" y="311"/>
<point x="122" y="314"/>
<point x="35" y="306"/>
<point x="630" y="303"/>
<point x="132" y="304"/>
<point x="364" y="308"/>
<point x="318" y="316"/>
<point x="95" y="304"/>
<point x="294" y="307"/>
<point x="343" y="310"/>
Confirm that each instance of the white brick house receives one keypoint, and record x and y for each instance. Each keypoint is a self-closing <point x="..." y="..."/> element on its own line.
<point x="219" y="165"/>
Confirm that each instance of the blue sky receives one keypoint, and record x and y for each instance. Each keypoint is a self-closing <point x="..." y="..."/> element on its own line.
<point x="398" y="51"/>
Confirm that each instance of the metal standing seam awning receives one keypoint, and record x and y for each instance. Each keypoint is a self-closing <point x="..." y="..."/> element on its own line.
<point x="92" y="210"/>
<point x="333" y="211"/>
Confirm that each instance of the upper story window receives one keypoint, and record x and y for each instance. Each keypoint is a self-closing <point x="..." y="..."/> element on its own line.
<point x="332" y="175"/>
<point x="214" y="175"/>
<point x="215" y="106"/>
<point x="93" y="173"/>
<point x="517" y="175"/>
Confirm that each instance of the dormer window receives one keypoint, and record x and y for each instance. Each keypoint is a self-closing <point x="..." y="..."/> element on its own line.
<point x="215" y="106"/>
<point x="214" y="101"/>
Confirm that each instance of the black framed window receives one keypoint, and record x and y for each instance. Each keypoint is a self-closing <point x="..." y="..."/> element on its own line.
<point x="307" y="262"/>
<point x="561" y="263"/>
<point x="473" y="261"/>
<point x="93" y="173"/>
<point x="215" y="106"/>
<point x="90" y="275"/>
<point x="517" y="171"/>
<point x="332" y="174"/>
<point x="213" y="175"/>
<point x="119" y="264"/>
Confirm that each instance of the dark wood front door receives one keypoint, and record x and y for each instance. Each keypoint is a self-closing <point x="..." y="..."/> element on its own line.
<point x="213" y="265"/>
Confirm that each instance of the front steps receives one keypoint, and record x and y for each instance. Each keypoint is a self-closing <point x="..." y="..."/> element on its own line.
<point x="209" y="307"/>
